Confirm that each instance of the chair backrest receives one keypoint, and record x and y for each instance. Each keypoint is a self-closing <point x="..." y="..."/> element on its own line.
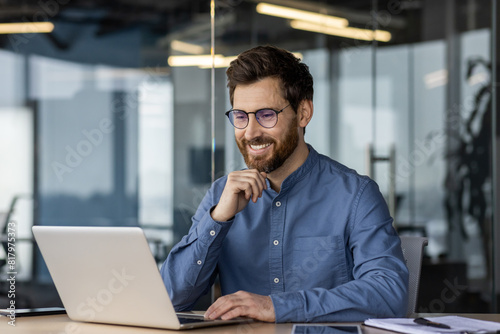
<point x="413" y="248"/>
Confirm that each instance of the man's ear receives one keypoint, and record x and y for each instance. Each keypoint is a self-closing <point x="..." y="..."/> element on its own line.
<point x="304" y="113"/>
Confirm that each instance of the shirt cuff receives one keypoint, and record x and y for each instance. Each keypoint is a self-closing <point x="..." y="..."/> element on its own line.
<point x="212" y="232"/>
<point x="288" y="307"/>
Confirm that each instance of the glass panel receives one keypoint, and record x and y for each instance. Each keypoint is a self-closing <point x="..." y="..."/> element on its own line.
<point x="476" y="136"/>
<point x="156" y="147"/>
<point x="355" y="120"/>
<point x="426" y="153"/>
<point x="106" y="123"/>
<point x="442" y="166"/>
<point x="16" y="169"/>
<point x="412" y="95"/>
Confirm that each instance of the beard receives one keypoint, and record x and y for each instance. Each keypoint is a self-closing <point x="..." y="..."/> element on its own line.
<point x="282" y="150"/>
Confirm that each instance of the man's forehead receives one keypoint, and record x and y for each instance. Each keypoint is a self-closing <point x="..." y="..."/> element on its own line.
<point x="267" y="89"/>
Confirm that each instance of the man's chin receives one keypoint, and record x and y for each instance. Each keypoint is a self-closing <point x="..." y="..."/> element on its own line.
<point x="262" y="163"/>
<point x="262" y="166"/>
<point x="257" y="166"/>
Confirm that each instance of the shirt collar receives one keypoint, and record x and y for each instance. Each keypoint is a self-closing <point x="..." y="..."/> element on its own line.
<point x="302" y="171"/>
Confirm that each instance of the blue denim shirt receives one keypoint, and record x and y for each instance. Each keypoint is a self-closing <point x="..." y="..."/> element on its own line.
<point x="323" y="248"/>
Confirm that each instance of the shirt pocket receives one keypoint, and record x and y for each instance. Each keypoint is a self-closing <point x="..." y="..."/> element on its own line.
<point x="317" y="262"/>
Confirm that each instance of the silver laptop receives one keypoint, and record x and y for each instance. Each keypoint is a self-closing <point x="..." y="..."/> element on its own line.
<point x="108" y="275"/>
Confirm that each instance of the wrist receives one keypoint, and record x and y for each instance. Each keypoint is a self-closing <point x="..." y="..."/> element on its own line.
<point x="218" y="216"/>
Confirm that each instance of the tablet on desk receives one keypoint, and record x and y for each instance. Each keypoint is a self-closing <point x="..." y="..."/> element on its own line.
<point x="325" y="329"/>
<point x="31" y="312"/>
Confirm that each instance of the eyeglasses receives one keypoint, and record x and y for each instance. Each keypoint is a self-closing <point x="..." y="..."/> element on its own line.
<point x="266" y="117"/>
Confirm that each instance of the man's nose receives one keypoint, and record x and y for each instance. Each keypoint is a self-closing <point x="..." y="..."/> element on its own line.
<point x="253" y="129"/>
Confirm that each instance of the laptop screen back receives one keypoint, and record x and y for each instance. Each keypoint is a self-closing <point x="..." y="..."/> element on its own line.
<point x="107" y="275"/>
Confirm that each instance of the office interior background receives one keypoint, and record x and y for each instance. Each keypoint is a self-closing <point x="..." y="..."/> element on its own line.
<point x="116" y="118"/>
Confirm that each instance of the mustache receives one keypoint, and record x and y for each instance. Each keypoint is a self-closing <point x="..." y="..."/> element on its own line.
<point x="257" y="141"/>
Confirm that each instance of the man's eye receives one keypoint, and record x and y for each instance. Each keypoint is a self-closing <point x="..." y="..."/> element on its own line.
<point x="266" y="114"/>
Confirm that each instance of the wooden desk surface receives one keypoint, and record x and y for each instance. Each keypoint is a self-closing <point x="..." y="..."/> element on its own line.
<point x="61" y="324"/>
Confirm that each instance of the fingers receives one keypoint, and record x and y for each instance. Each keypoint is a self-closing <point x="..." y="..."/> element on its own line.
<point x="225" y="308"/>
<point x="244" y="304"/>
<point x="250" y="182"/>
<point x="241" y="187"/>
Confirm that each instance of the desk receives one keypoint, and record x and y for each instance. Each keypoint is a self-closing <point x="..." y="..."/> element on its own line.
<point x="61" y="324"/>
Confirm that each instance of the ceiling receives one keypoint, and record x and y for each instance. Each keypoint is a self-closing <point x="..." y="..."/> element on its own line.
<point x="237" y="23"/>
<point x="112" y="15"/>
<point x="164" y="17"/>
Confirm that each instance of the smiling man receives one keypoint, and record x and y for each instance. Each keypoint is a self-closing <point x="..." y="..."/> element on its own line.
<point x="296" y="237"/>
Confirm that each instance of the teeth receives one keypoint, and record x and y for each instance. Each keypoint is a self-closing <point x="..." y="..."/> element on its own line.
<point x="259" y="147"/>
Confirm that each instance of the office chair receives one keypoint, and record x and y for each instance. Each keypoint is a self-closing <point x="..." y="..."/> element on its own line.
<point x="413" y="248"/>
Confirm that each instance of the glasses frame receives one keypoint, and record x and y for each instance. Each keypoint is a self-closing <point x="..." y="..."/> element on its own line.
<point x="277" y="112"/>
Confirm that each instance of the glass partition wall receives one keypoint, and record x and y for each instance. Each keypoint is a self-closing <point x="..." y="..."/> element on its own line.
<point x="116" y="118"/>
<point x="402" y="93"/>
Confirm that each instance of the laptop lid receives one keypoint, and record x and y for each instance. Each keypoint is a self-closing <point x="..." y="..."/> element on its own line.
<point x="108" y="275"/>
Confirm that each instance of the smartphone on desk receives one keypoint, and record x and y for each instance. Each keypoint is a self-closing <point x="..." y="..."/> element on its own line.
<point x="31" y="312"/>
<point x="325" y="329"/>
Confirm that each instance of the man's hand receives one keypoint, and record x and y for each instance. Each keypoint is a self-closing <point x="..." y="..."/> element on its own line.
<point x="241" y="186"/>
<point x="242" y="304"/>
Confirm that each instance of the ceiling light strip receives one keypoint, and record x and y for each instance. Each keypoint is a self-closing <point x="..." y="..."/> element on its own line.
<point x="26" y="27"/>
<point x="297" y="14"/>
<point x="205" y="61"/>
<point x="348" y="32"/>
<point x="201" y="60"/>
<point x="187" y="47"/>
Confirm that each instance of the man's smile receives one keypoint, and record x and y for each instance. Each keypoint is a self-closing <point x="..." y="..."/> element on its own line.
<point x="261" y="148"/>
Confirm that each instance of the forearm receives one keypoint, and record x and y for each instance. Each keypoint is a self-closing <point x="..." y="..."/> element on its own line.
<point x="375" y="296"/>
<point x="190" y="268"/>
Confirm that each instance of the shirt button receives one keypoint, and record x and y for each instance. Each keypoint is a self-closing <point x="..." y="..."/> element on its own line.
<point x="278" y="204"/>
<point x="212" y="233"/>
<point x="276" y="242"/>
<point x="276" y="280"/>
<point x="198" y="262"/>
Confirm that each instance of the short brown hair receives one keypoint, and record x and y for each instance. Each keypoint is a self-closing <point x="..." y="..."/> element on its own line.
<point x="269" y="61"/>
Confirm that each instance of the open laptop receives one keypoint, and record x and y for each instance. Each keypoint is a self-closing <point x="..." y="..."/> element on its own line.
<point x="108" y="275"/>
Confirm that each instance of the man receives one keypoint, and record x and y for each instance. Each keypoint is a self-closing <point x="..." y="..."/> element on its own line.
<point x="296" y="236"/>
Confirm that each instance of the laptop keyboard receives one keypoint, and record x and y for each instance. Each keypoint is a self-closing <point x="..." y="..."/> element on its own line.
<point x="187" y="320"/>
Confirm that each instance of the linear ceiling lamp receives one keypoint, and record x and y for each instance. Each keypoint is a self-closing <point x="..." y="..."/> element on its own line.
<point x="26" y="27"/>
<point x="297" y="14"/>
<point x="203" y="61"/>
<point x="220" y="62"/>
<point x="186" y="47"/>
<point x="348" y="32"/>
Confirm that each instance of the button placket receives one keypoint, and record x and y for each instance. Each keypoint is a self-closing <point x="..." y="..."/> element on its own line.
<point x="278" y="209"/>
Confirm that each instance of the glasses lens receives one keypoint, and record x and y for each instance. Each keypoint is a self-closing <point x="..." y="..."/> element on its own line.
<point x="239" y="119"/>
<point x="267" y="117"/>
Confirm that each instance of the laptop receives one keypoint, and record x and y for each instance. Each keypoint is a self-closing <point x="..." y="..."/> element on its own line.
<point x="108" y="275"/>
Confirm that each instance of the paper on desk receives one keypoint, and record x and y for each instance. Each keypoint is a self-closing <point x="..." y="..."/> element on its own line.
<point x="457" y="324"/>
